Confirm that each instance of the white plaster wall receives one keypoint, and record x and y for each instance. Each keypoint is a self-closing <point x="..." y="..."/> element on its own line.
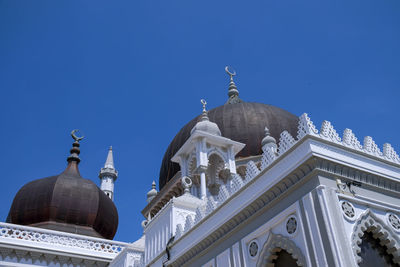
<point x="107" y="184"/>
<point x="158" y="232"/>
<point x="224" y="259"/>
<point x="276" y="226"/>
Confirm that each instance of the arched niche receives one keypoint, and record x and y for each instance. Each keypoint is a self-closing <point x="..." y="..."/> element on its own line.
<point x="216" y="164"/>
<point x="369" y="223"/>
<point x="275" y="245"/>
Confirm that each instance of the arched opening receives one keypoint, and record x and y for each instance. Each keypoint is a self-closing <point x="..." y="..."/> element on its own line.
<point x="374" y="243"/>
<point x="283" y="259"/>
<point x="373" y="253"/>
<point x="279" y="250"/>
<point x="215" y="165"/>
<point x="241" y="170"/>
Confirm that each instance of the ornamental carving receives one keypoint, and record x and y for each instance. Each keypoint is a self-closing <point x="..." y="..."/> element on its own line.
<point x="369" y="222"/>
<point x="253" y="249"/>
<point x="348" y="209"/>
<point x="291" y="225"/>
<point x="26" y="233"/>
<point x="394" y="221"/>
<point x="276" y="243"/>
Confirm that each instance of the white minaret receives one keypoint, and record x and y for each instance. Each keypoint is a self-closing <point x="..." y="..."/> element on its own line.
<point x="108" y="175"/>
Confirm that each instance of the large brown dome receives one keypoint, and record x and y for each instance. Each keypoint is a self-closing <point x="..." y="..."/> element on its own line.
<point x="243" y="122"/>
<point x="66" y="202"/>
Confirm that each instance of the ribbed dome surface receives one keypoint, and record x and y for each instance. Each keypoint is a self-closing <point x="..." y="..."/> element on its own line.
<point x="65" y="202"/>
<point x="243" y="122"/>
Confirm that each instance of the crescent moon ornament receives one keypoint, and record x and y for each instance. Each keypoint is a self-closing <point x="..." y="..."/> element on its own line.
<point x="231" y="72"/>
<point x="76" y="138"/>
<point x="204" y="104"/>
<point x="186" y="183"/>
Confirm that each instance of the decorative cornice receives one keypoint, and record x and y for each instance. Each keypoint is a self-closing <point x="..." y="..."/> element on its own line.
<point x="108" y="172"/>
<point x="352" y="174"/>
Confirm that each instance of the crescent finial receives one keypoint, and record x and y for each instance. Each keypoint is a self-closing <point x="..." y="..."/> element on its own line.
<point x="76" y="138"/>
<point x="204" y="104"/>
<point x="231" y="72"/>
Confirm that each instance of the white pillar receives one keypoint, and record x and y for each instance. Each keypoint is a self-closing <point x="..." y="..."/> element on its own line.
<point x="203" y="191"/>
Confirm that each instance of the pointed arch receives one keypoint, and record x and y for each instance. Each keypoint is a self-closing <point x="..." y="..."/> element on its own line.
<point x="369" y="222"/>
<point x="191" y="164"/>
<point x="217" y="151"/>
<point x="276" y="243"/>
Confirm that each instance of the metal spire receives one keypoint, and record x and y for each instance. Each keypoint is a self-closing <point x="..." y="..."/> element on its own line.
<point x="233" y="92"/>
<point x="109" y="170"/>
<point x="110" y="160"/>
<point x="204" y="115"/>
<point x="75" y="151"/>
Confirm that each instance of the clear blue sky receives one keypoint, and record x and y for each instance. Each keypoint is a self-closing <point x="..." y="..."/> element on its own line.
<point x="131" y="73"/>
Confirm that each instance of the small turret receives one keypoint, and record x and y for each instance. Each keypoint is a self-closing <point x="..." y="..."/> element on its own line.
<point x="152" y="193"/>
<point x="268" y="141"/>
<point x="108" y="175"/>
<point x="204" y="124"/>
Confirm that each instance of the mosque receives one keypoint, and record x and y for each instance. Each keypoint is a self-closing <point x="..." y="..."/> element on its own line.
<point x="244" y="184"/>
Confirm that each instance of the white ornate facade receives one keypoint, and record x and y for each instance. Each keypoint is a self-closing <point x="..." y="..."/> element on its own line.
<point x="313" y="196"/>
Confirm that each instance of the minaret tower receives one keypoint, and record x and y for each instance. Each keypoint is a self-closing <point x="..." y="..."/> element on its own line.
<point x="108" y="175"/>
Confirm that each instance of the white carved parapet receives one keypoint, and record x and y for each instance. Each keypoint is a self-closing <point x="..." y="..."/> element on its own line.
<point x="211" y="205"/>
<point x="268" y="157"/>
<point x="251" y="170"/>
<point x="370" y="147"/>
<point x="306" y="127"/>
<point x="390" y="153"/>
<point x="236" y="183"/>
<point x="199" y="214"/>
<point x="223" y="193"/>
<point x="328" y="132"/>
<point x="350" y="140"/>
<point x="50" y="241"/>
<point x="286" y="141"/>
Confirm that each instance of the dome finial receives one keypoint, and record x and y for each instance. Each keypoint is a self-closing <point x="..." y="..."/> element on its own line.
<point x="268" y="139"/>
<point x="204" y="124"/>
<point x="204" y="102"/>
<point x="75" y="151"/>
<point x="233" y="92"/>
<point x="204" y="115"/>
<point x="152" y="193"/>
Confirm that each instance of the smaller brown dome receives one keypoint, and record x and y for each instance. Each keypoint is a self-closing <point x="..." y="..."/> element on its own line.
<point x="66" y="202"/>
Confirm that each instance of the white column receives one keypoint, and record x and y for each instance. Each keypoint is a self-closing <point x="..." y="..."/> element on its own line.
<point x="203" y="185"/>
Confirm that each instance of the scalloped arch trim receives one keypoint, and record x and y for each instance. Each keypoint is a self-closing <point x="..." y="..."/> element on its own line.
<point x="369" y="222"/>
<point x="273" y="245"/>
<point x="217" y="151"/>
